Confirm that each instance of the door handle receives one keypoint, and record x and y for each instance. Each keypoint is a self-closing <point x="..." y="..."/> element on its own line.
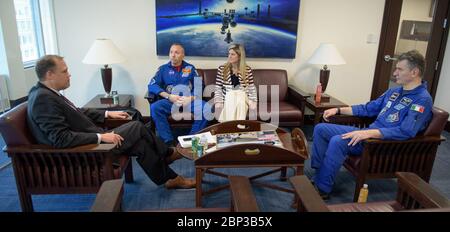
<point x="388" y="58"/>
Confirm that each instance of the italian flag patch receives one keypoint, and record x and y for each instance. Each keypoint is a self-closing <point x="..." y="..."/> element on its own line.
<point x="418" y="108"/>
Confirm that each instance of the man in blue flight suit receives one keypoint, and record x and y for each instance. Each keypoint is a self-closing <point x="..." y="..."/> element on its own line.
<point x="401" y="113"/>
<point x="180" y="86"/>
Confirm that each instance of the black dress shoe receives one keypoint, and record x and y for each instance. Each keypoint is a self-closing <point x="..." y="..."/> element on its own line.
<point x="325" y="196"/>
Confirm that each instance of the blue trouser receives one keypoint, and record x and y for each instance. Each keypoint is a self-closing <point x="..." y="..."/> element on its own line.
<point x="330" y="152"/>
<point x="161" y="109"/>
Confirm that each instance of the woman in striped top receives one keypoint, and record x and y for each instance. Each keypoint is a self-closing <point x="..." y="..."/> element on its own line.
<point x="235" y="90"/>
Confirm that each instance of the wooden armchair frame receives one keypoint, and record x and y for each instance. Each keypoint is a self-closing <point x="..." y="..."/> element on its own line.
<point x="413" y="194"/>
<point x="42" y="169"/>
<point x="109" y="198"/>
<point x="383" y="158"/>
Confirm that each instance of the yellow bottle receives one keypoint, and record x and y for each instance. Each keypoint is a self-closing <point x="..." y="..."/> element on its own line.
<point x="363" y="193"/>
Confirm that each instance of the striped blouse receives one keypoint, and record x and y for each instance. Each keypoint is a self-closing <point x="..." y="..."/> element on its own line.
<point x="222" y="87"/>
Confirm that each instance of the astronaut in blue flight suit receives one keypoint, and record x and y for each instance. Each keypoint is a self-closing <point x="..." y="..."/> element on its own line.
<point x="401" y="113"/>
<point x="180" y="86"/>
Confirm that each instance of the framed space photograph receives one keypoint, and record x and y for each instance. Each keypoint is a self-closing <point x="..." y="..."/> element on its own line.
<point x="267" y="28"/>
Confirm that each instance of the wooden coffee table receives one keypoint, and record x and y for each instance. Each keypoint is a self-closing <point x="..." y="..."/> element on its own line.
<point x="293" y="154"/>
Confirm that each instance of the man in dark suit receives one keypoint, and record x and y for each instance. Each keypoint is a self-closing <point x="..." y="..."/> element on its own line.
<point x="56" y="121"/>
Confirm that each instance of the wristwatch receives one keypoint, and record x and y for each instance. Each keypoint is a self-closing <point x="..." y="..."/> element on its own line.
<point x="168" y="96"/>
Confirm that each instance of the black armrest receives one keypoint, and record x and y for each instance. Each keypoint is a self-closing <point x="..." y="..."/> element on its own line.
<point x="416" y="140"/>
<point x="41" y="148"/>
<point x="151" y="97"/>
<point x="361" y="122"/>
<point x="297" y="97"/>
<point x="298" y="93"/>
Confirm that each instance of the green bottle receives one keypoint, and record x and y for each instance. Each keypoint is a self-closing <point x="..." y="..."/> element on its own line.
<point x="195" y="141"/>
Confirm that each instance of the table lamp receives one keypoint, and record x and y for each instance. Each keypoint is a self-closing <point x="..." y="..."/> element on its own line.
<point x="104" y="52"/>
<point x="326" y="54"/>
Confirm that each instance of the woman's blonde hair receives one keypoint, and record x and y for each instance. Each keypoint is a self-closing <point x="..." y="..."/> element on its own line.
<point x="240" y="50"/>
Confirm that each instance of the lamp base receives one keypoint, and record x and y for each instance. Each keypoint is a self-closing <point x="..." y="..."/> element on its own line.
<point x="106" y="100"/>
<point x="324" y="98"/>
<point x="107" y="80"/>
<point x="324" y="77"/>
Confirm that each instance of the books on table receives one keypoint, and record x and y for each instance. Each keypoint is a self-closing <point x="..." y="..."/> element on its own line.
<point x="269" y="137"/>
<point x="186" y="141"/>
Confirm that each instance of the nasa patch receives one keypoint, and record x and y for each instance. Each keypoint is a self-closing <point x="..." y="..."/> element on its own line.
<point x="187" y="71"/>
<point x="389" y="104"/>
<point x="394" y="96"/>
<point x="406" y="101"/>
<point x="393" y="117"/>
<point x="399" y="107"/>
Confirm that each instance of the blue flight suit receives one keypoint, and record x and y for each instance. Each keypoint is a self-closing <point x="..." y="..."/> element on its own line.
<point x="400" y="115"/>
<point x="183" y="82"/>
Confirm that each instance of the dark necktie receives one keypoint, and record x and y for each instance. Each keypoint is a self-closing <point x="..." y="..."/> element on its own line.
<point x="70" y="103"/>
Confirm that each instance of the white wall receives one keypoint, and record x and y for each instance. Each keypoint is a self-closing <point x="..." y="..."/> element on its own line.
<point x="10" y="56"/>
<point x="131" y="25"/>
<point x="442" y="94"/>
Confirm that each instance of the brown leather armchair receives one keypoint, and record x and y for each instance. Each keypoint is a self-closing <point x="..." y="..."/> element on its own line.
<point x="413" y="194"/>
<point x="109" y="198"/>
<point x="291" y="102"/>
<point x="382" y="158"/>
<point x="42" y="169"/>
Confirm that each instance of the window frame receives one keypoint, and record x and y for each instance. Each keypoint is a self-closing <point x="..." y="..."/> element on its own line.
<point x="37" y="22"/>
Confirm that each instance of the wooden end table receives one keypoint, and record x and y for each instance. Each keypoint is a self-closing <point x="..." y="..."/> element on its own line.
<point x="319" y="108"/>
<point x="125" y="101"/>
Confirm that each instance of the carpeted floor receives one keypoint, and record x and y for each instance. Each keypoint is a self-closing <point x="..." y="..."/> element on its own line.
<point x="143" y="194"/>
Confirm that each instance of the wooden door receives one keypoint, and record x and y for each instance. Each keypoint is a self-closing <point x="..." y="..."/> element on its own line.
<point x="408" y="25"/>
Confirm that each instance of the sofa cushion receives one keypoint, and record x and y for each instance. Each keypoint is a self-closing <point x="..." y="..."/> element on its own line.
<point x="268" y="77"/>
<point x="287" y="113"/>
<point x="271" y="77"/>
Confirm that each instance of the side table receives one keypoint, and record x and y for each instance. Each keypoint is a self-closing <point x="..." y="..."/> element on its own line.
<point x="319" y="108"/>
<point x="125" y="101"/>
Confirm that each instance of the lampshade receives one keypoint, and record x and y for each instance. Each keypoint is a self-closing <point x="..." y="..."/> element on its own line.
<point x="103" y="51"/>
<point x="326" y="54"/>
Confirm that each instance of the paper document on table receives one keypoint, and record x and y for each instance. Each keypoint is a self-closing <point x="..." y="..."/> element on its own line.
<point x="269" y="137"/>
<point x="186" y="140"/>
